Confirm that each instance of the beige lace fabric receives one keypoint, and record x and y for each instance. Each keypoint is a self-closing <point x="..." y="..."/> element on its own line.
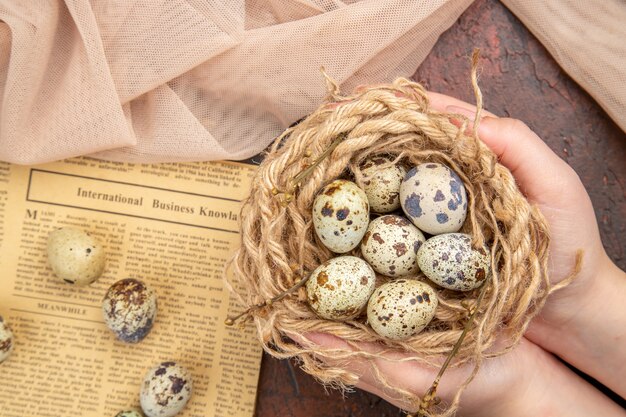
<point x="173" y="80"/>
<point x="588" y="39"/>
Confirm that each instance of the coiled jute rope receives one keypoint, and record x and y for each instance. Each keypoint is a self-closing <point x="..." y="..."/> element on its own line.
<point x="279" y="246"/>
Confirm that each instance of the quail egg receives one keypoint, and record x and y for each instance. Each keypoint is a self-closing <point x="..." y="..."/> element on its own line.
<point x="341" y="215"/>
<point x="75" y="256"/>
<point x="165" y="391"/>
<point x="129" y="413"/>
<point x="434" y="198"/>
<point x="382" y="185"/>
<point x="339" y="288"/>
<point x="129" y="309"/>
<point x="390" y="246"/>
<point x="6" y="340"/>
<point x="450" y="261"/>
<point x="401" y="308"/>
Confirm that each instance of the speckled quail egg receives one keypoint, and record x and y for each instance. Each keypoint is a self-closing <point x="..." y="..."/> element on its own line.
<point x="341" y="215"/>
<point x="434" y="198"/>
<point x="75" y="256"/>
<point x="339" y="288"/>
<point x="6" y="340"/>
<point x="382" y="185"/>
<point x="390" y="246"/>
<point x="165" y="391"/>
<point x="129" y="309"/>
<point x="129" y="413"/>
<point x="401" y="308"/>
<point x="450" y="261"/>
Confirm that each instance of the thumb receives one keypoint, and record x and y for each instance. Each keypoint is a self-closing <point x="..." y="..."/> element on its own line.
<point x="539" y="172"/>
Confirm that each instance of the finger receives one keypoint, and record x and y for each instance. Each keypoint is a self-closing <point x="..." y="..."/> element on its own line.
<point x="539" y="172"/>
<point x="389" y="362"/>
<point x="359" y="366"/>
<point x="537" y="381"/>
<point x="399" y="369"/>
<point x="441" y="102"/>
<point x="519" y="149"/>
<point x="389" y="397"/>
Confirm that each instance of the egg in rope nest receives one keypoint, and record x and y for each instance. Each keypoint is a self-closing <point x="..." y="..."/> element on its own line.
<point x="408" y="225"/>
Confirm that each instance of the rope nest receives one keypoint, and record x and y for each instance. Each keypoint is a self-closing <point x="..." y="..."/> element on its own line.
<point x="279" y="245"/>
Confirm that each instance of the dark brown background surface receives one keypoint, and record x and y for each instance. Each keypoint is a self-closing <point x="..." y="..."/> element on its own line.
<point x="519" y="79"/>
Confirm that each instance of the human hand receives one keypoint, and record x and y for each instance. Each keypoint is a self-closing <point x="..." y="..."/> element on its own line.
<point x="525" y="381"/>
<point x="569" y="325"/>
<point x="546" y="181"/>
<point x="585" y="322"/>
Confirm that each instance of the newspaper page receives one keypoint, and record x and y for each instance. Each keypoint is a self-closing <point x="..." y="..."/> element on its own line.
<point x="172" y="226"/>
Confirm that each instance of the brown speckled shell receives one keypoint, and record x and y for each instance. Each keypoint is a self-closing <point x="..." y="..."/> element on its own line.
<point x="6" y="340"/>
<point x="340" y="288"/>
<point x="382" y="185"/>
<point x="434" y="198"/>
<point x="75" y="256"/>
<point x="165" y="391"/>
<point x="129" y="309"/>
<point x="390" y="246"/>
<point x="402" y="308"/>
<point x="341" y="215"/>
<point x="450" y="261"/>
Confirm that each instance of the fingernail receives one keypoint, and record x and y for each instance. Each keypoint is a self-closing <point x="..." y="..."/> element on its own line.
<point x="461" y="110"/>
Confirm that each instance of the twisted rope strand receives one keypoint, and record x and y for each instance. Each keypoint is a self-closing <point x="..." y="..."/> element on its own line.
<point x="394" y="120"/>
